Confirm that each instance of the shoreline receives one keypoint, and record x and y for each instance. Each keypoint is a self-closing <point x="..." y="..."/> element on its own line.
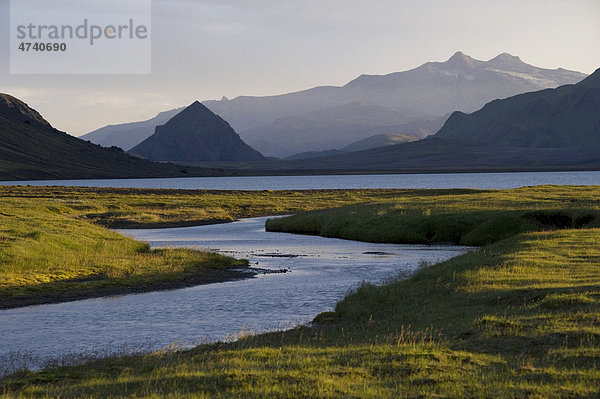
<point x="208" y="276"/>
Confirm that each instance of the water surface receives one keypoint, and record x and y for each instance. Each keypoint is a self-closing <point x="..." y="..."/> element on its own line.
<point x="321" y="271"/>
<point x="431" y="181"/>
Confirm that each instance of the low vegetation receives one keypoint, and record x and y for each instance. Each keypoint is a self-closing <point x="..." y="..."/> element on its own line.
<point x="517" y="318"/>
<point x="155" y="208"/>
<point x="468" y="218"/>
<point x="54" y="244"/>
<point x="47" y="257"/>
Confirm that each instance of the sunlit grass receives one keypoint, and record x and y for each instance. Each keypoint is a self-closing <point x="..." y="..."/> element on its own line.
<point x="53" y="246"/>
<point x="133" y="208"/>
<point x="47" y="256"/>
<point x="468" y="218"/>
<point x="519" y="317"/>
<point x="449" y="331"/>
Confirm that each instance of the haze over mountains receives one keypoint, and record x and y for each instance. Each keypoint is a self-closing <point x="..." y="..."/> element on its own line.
<point x="425" y="93"/>
<point x="30" y="148"/>
<point x="379" y="140"/>
<point x="568" y="116"/>
<point x="413" y="102"/>
<point x="128" y="135"/>
<point x="548" y="129"/>
<point x="337" y="127"/>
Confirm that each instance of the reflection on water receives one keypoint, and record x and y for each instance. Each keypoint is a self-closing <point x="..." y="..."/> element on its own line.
<point x="322" y="270"/>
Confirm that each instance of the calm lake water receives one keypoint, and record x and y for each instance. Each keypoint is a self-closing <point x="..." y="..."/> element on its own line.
<point x="451" y="180"/>
<point x="321" y="272"/>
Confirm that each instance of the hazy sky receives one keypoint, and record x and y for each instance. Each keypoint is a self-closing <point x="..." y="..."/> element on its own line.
<point x="206" y="49"/>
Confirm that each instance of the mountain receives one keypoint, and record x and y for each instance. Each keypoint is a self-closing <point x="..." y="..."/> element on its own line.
<point x="568" y="116"/>
<point x="379" y="140"/>
<point x="460" y="84"/>
<point x="332" y="117"/>
<point x="128" y="135"/>
<point x="430" y="91"/>
<point x="30" y="148"/>
<point x="550" y="129"/>
<point x="196" y="135"/>
<point x="434" y="88"/>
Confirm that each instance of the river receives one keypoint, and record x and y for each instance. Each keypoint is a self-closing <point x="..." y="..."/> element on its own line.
<point x="320" y="272"/>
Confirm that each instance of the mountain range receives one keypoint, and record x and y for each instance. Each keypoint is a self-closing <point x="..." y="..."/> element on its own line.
<point x="553" y="129"/>
<point x="413" y="102"/>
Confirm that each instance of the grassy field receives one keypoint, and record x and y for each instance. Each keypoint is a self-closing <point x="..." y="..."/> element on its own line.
<point x="516" y="319"/>
<point x="54" y="244"/>
<point x="48" y="257"/>
<point x="462" y="217"/>
<point x="155" y="208"/>
<point x="519" y="317"/>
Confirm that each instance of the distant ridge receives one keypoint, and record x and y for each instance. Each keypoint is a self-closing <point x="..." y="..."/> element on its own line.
<point x="379" y="140"/>
<point x="429" y="91"/>
<point x="552" y="129"/>
<point x="329" y="117"/>
<point x="196" y="135"/>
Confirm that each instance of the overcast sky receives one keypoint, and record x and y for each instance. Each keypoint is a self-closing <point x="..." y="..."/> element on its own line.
<point x="206" y="49"/>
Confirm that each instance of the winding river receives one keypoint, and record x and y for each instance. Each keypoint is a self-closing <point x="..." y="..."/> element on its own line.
<point x="320" y="272"/>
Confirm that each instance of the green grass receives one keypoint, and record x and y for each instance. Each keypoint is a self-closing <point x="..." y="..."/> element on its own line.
<point x="155" y="208"/>
<point x="516" y="319"/>
<point x="54" y="245"/>
<point x="47" y="256"/>
<point x="520" y="317"/>
<point x="468" y="218"/>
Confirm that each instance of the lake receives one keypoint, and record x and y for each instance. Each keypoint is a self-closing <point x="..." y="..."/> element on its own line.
<point x="320" y="272"/>
<point x="450" y="180"/>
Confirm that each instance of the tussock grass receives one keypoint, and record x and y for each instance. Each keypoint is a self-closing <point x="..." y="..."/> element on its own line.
<point x="54" y="245"/>
<point x="156" y="208"/>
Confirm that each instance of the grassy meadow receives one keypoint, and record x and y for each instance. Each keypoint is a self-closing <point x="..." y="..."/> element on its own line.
<point x="48" y="257"/>
<point x="157" y="208"/>
<point x="55" y="245"/>
<point x="461" y="217"/>
<point x="519" y="317"/>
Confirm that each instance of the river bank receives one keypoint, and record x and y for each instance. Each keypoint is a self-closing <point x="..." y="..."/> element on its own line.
<point x="516" y="318"/>
<point x="94" y="287"/>
<point x="55" y="244"/>
<point x="320" y="271"/>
